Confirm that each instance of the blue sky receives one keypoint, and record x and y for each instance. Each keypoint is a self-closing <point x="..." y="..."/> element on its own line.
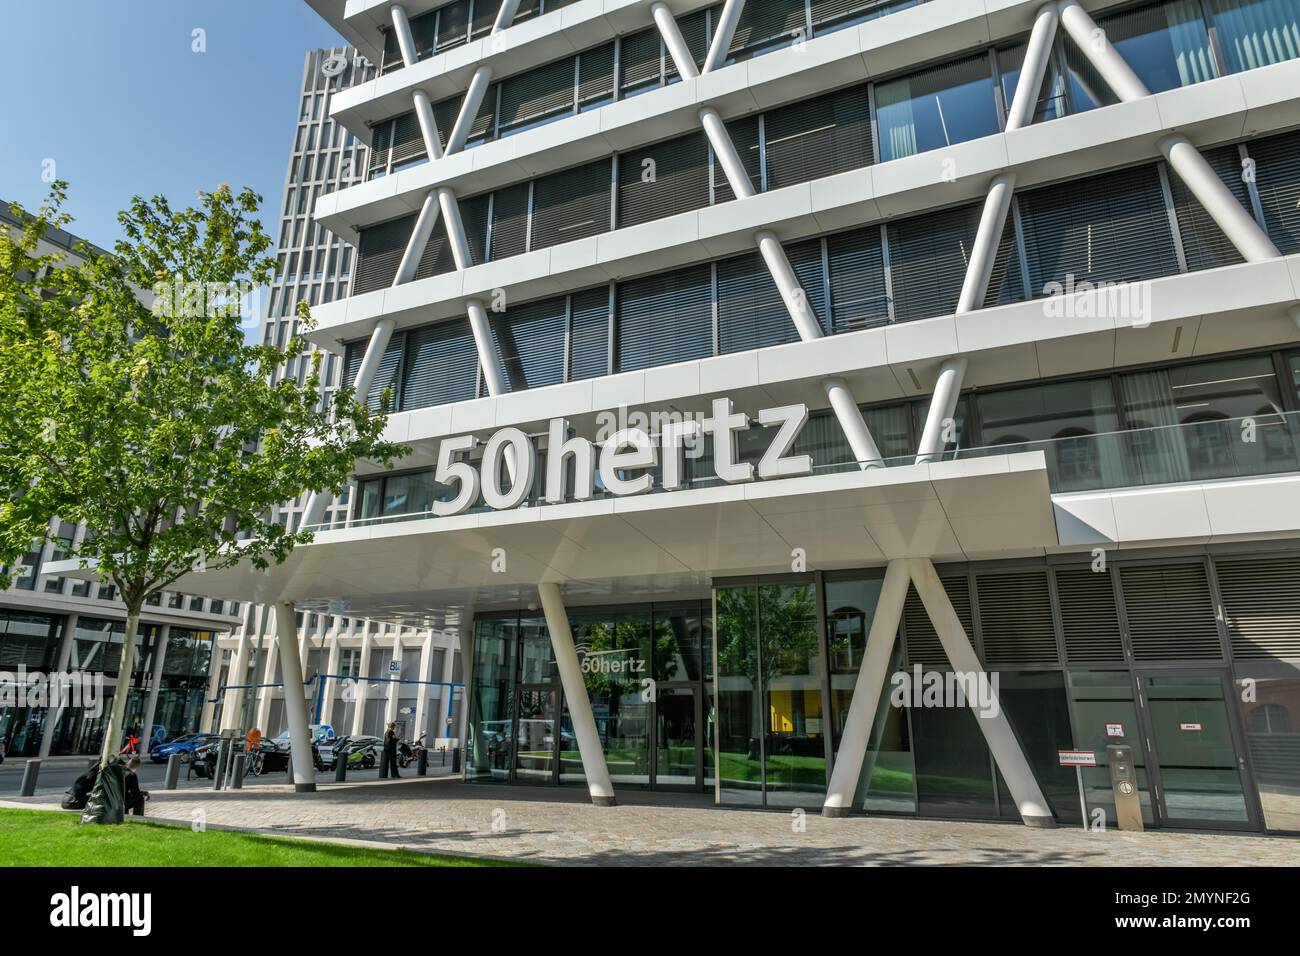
<point x="113" y="93"/>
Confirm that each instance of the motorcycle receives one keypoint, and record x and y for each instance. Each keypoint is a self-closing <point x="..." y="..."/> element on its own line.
<point x="410" y="753"/>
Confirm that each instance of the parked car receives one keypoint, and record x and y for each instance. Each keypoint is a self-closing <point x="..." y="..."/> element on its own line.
<point x="183" y="746"/>
<point x="362" y="751"/>
<point x="205" y="755"/>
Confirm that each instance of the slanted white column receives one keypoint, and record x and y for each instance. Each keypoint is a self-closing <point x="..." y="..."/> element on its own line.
<point x="672" y="35"/>
<point x="856" y="737"/>
<point x="505" y="16"/>
<point x="469" y="107"/>
<point x="575" y="694"/>
<point x="493" y="373"/>
<point x="314" y="512"/>
<point x="725" y="149"/>
<point x="155" y="681"/>
<point x="232" y="711"/>
<point x="65" y="655"/>
<point x="993" y="220"/>
<point x="428" y="124"/>
<point x="995" y="726"/>
<point x="424" y="224"/>
<point x="265" y="694"/>
<point x="362" y="686"/>
<point x="295" y="700"/>
<point x="405" y="41"/>
<point x="1037" y="54"/>
<point x="456" y="237"/>
<point x="394" y="690"/>
<point x="787" y="283"/>
<point x="865" y="451"/>
<point x="1239" y="226"/>
<point x="1231" y="216"/>
<point x="943" y="406"/>
<point x="206" y="714"/>
<point x="723" y="34"/>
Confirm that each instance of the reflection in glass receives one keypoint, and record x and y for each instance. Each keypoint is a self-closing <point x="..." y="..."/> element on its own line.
<point x="614" y="650"/>
<point x="739" y="717"/>
<point x="935" y="108"/>
<point x="535" y="741"/>
<point x="1270" y="709"/>
<point x="489" y="736"/>
<point x="675" y="733"/>
<point x="794" y="748"/>
<point x="1105" y="713"/>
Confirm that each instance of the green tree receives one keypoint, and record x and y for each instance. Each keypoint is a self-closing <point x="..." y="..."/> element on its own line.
<point x="134" y="404"/>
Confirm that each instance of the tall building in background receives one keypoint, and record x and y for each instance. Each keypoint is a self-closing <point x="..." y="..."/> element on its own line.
<point x="980" y="323"/>
<point x="54" y="623"/>
<point x="316" y="266"/>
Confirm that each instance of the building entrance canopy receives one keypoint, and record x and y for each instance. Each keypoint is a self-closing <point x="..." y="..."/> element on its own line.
<point x="657" y="544"/>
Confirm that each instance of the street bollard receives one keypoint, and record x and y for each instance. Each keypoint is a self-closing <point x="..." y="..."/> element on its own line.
<point x="288" y="767"/>
<point x="422" y="764"/>
<point x="237" y="772"/>
<point x="30" y="773"/>
<point x="340" y="767"/>
<point x="444" y="755"/>
<point x="455" y="760"/>
<point x="383" y="766"/>
<point x="173" y="772"/>
<point x="219" y="768"/>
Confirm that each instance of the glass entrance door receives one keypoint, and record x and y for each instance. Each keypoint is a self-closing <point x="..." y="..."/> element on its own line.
<point x="1196" y="751"/>
<point x="536" y="739"/>
<point x="678" y="748"/>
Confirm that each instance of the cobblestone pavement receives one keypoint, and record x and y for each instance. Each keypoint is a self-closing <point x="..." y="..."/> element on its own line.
<point x="561" y="827"/>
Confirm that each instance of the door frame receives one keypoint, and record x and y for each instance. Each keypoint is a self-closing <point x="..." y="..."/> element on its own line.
<point x="1254" y="821"/>
<point x="696" y="689"/>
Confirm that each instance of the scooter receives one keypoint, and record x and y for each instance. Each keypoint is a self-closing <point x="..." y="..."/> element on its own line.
<point x="408" y="753"/>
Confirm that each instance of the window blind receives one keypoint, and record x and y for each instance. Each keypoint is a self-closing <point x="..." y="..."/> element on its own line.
<point x="664" y="318"/>
<point x="589" y="334"/>
<point x="408" y="141"/>
<point x="640" y="61"/>
<point x="437" y="257"/>
<point x="859" y="299"/>
<point x="1277" y="161"/>
<point x="453" y="24"/>
<point x="530" y="343"/>
<point x="819" y="137"/>
<point x="474" y="215"/>
<point x="379" y="254"/>
<point x="571" y="204"/>
<point x="509" y="221"/>
<point x="537" y="94"/>
<point x="928" y="256"/>
<point x="595" y="75"/>
<point x="744" y="135"/>
<point x="441" y="365"/>
<point x="663" y="179"/>
<point x="1204" y="243"/>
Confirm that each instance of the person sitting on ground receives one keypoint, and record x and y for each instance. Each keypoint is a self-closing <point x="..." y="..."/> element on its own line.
<point x="135" y="797"/>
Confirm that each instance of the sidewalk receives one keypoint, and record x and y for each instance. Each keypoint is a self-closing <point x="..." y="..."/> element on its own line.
<point x="561" y="827"/>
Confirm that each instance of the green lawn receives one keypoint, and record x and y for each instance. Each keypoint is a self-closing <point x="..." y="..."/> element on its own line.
<point x="44" y="838"/>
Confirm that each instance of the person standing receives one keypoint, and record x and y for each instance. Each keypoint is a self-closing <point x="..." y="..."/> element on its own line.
<point x="390" y="752"/>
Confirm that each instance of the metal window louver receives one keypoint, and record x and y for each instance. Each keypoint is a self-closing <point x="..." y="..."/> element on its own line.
<point x="437" y="257"/>
<point x="1170" y="613"/>
<point x="388" y="376"/>
<point x="923" y="644"/>
<point x="596" y="74"/>
<point x="379" y="253"/>
<point x="1016" y="624"/>
<point x="1204" y="244"/>
<point x="766" y="22"/>
<point x="1261" y="604"/>
<point x="744" y="136"/>
<point x="589" y="334"/>
<point x="664" y="318"/>
<point x="441" y="365"/>
<point x="474" y="215"/>
<point x="529" y="340"/>
<point x="663" y="179"/>
<point x="509" y="221"/>
<point x="571" y="204"/>
<point x="537" y="94"/>
<point x="1277" y="168"/>
<point x="859" y="297"/>
<point x="1089" y="617"/>
<point x="1108" y="228"/>
<point x="408" y="141"/>
<point x="928" y="257"/>
<point x="453" y="24"/>
<point x="640" y="60"/>
<point x="819" y="137"/>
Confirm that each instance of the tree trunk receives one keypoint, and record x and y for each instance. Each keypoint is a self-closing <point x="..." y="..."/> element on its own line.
<point x="117" y="718"/>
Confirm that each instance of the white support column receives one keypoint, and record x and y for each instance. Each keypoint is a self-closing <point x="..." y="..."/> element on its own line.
<point x="428" y="124"/>
<point x="723" y="34"/>
<point x="206" y="714"/>
<point x="737" y="178"/>
<point x="672" y="36"/>
<point x="65" y="655"/>
<point x="232" y="709"/>
<point x="314" y="512"/>
<point x="575" y="694"/>
<point x="465" y="641"/>
<point x="266" y="694"/>
<point x="493" y="373"/>
<point x="155" y="682"/>
<point x="363" y="686"/>
<point x="456" y="237"/>
<point x="422" y="701"/>
<point x="1096" y="46"/>
<point x="995" y="726"/>
<point x="469" y="107"/>
<point x="295" y="700"/>
<point x="993" y="220"/>
<point x="328" y="689"/>
<point x="943" y="406"/>
<point x="394" y="690"/>
<point x="1186" y="160"/>
<point x="505" y="16"/>
<point x="1037" y="54"/>
<point x="865" y="451"/>
<point x="424" y="224"/>
<point x="856" y="736"/>
<point x="787" y="283"/>
<point x="405" y="41"/>
<point x="1237" y="224"/>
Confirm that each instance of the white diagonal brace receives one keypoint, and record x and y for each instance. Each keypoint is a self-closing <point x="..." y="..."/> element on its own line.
<point x="943" y="409"/>
<point x="723" y="34"/>
<point x="424" y="224"/>
<point x="405" y="40"/>
<point x="1186" y="160"/>
<point x="992" y="719"/>
<point x="855" y="739"/>
<point x="428" y="125"/>
<point x="672" y="36"/>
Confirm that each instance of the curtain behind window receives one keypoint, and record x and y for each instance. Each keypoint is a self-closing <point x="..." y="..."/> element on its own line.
<point x="1255" y="33"/>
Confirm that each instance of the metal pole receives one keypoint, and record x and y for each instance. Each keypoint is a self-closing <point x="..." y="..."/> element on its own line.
<point x="30" y="773"/>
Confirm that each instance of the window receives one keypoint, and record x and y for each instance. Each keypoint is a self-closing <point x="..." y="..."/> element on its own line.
<point x="1277" y="162"/>
<point x="441" y="365"/>
<point x="530" y="343"/>
<point x="379" y="253"/>
<point x="937" y="107"/>
<point x="816" y="138"/>
<point x="1255" y="33"/>
<point x="572" y="204"/>
<point x="589" y="334"/>
<point x="751" y="312"/>
<point x="859" y="299"/>
<point x="662" y="180"/>
<point x="664" y="318"/>
<point x="1204" y="244"/>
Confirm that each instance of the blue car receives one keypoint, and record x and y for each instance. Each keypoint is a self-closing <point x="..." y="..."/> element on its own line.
<point x="185" y="746"/>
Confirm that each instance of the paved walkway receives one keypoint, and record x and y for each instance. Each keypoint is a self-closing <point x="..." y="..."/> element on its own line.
<point x="561" y="827"/>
